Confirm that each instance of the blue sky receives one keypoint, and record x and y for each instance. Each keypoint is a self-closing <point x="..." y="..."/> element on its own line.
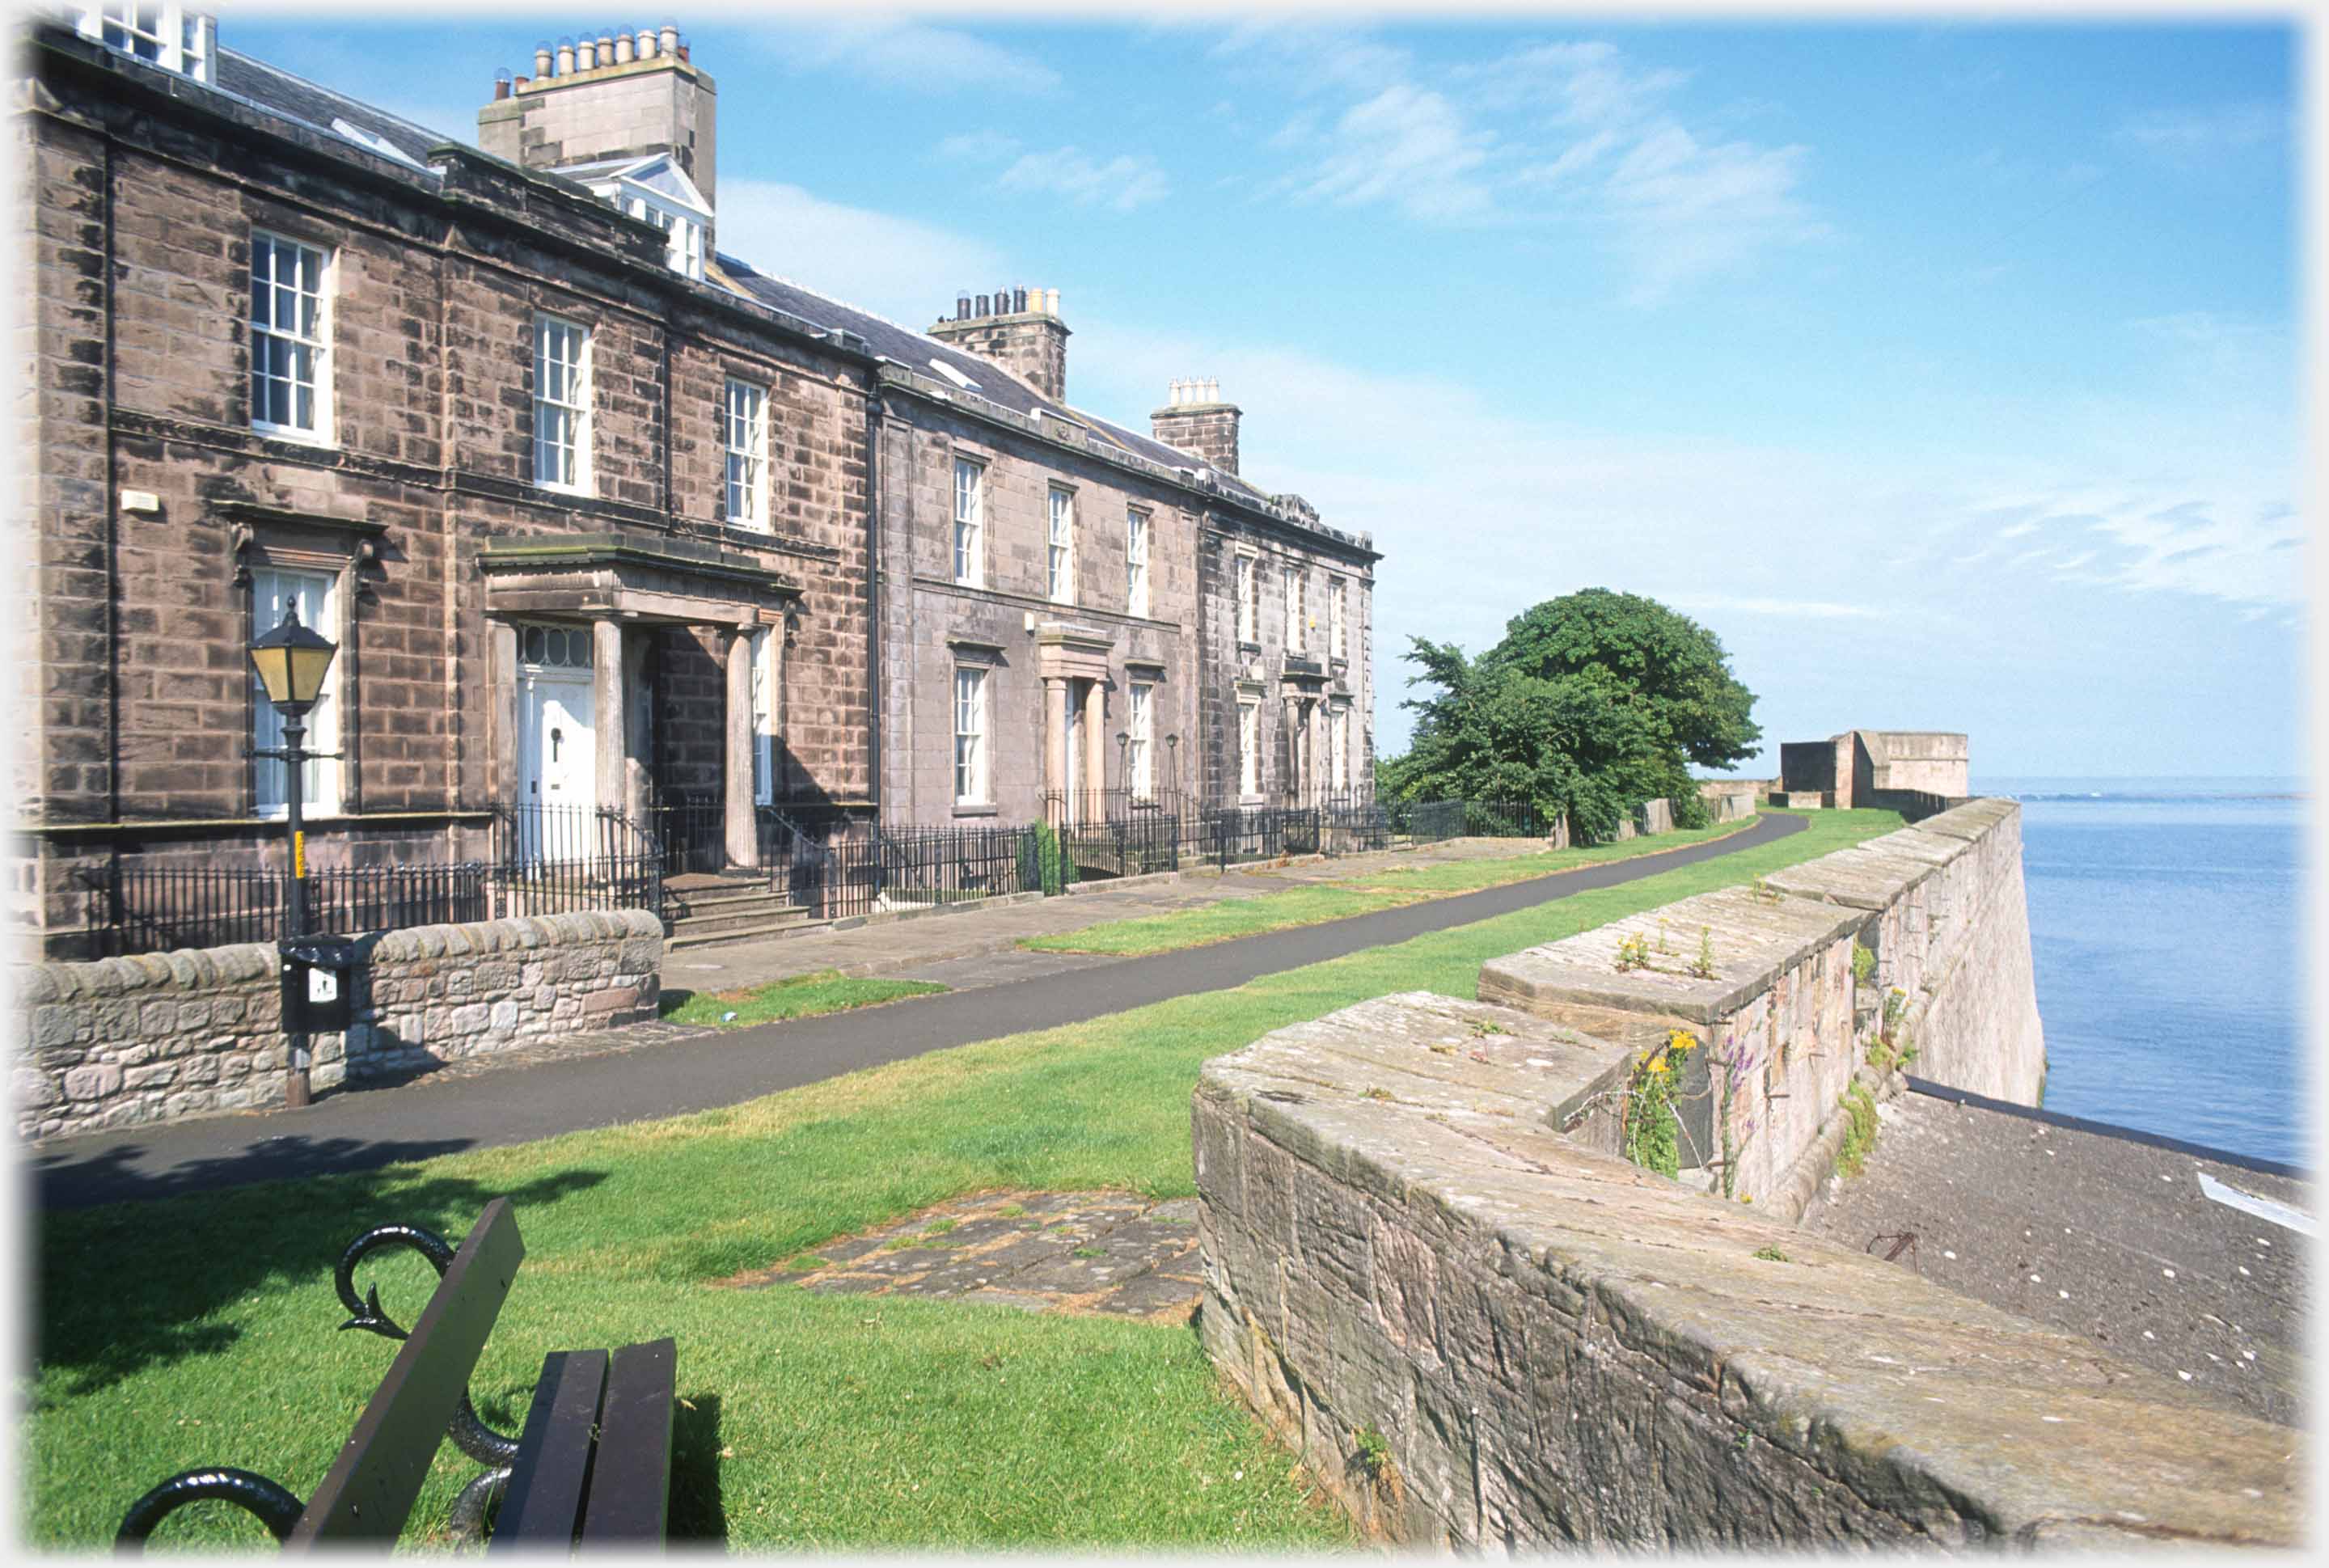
<point x="1948" y="371"/>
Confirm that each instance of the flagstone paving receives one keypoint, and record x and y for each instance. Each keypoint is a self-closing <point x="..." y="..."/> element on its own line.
<point x="1113" y="1252"/>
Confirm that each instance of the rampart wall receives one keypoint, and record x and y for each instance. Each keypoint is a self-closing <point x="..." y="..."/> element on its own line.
<point x="1431" y="1271"/>
<point x="170" y="1037"/>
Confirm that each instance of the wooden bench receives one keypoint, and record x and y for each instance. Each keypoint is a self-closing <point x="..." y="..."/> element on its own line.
<point x="591" y="1468"/>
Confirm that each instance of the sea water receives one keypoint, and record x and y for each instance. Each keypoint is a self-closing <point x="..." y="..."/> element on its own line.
<point x="2166" y="917"/>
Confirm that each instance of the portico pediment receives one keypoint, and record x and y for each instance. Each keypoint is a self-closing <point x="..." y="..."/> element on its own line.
<point x="669" y="581"/>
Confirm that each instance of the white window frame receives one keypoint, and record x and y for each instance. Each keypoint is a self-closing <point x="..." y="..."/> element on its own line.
<point x="682" y="231"/>
<point x="1137" y="526"/>
<point x="316" y="344"/>
<point x="1338" y="613"/>
<point x="174" y="38"/>
<point x="556" y="331"/>
<point x="1248" y="610"/>
<point x="1141" y="716"/>
<point x="744" y="440"/>
<point x="317" y="592"/>
<point x="1059" y="546"/>
<point x="764" y="715"/>
<point x="1338" y="726"/>
<point x="1249" y="748"/>
<point x="969" y="522"/>
<point x="1297" y="606"/>
<point x="970" y="760"/>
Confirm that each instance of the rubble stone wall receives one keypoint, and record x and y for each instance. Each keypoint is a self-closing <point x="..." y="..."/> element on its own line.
<point x="169" y="1036"/>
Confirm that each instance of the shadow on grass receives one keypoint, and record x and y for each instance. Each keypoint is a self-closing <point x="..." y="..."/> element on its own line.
<point x="117" y="1294"/>
<point x="699" y="1516"/>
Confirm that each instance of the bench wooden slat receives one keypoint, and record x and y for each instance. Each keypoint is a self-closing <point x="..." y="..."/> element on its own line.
<point x="373" y="1484"/>
<point x="630" y="1479"/>
<point x="543" y="1504"/>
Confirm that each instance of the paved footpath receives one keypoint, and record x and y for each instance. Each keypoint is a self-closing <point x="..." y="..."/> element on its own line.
<point x="656" y="1070"/>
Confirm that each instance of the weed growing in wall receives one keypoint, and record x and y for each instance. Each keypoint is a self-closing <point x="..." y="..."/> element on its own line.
<point x="1633" y="952"/>
<point x="1864" y="963"/>
<point x="1703" y="966"/>
<point x="1652" y="1132"/>
<point x="1859" y="1130"/>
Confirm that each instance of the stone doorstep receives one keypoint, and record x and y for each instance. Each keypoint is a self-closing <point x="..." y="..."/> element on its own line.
<point x="1145" y="1264"/>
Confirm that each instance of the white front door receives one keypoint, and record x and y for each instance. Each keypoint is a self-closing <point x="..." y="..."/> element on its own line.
<point x="557" y="767"/>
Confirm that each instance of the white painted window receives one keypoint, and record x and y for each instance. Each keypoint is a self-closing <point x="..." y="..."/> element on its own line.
<point x="745" y="427"/>
<point x="969" y="522"/>
<point x="682" y="235"/>
<point x="1297" y="610"/>
<point x="1061" y="554"/>
<point x="316" y="596"/>
<point x="1338" y="644"/>
<point x="1136" y="562"/>
<point x="1338" y="725"/>
<point x="970" y="737"/>
<point x="166" y="34"/>
<point x="1249" y="613"/>
<point x="764" y="715"/>
<point x="291" y="376"/>
<point x="1143" y="727"/>
<point x="562" y="404"/>
<point x="1248" y="747"/>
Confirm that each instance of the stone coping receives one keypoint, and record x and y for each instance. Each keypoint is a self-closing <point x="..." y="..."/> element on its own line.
<point x="1961" y="1421"/>
<point x="190" y="968"/>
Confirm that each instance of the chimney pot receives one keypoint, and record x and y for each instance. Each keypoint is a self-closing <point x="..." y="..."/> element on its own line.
<point x="962" y="306"/>
<point x="982" y="305"/>
<point x="623" y="49"/>
<point x="1054" y="307"/>
<point x="541" y="58"/>
<point x="646" y="46"/>
<point x="501" y="84"/>
<point x="667" y="37"/>
<point x="565" y="56"/>
<point x="683" y="50"/>
<point x="586" y="54"/>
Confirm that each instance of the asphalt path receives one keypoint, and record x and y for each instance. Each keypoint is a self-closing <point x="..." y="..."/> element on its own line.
<point x="350" y="1130"/>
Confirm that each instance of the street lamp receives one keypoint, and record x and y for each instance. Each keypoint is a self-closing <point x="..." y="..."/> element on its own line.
<point x="292" y="661"/>
<point x="1124" y="765"/>
<point x="1173" y="749"/>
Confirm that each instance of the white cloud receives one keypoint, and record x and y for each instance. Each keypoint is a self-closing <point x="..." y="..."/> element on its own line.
<point x="896" y="53"/>
<point x="1121" y="185"/>
<point x="1792" y="608"/>
<point x="978" y="146"/>
<point x="2193" y="136"/>
<point x="1409" y="147"/>
<point x="894" y="266"/>
<point x="1686" y="209"/>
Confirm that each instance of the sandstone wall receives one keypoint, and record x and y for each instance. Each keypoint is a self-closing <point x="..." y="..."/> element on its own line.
<point x="1941" y="906"/>
<point x="1477" y="1331"/>
<point x="167" y="1036"/>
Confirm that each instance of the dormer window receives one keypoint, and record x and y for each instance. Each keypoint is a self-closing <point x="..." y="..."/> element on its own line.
<point x="657" y="189"/>
<point x="166" y="34"/>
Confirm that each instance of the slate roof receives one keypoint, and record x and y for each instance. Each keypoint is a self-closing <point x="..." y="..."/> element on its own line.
<point x="915" y="350"/>
<point x="296" y="97"/>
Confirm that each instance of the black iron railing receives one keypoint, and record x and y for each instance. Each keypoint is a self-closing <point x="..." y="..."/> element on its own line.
<point x="1142" y="841"/>
<point x="155" y="908"/>
<point x="1070" y="807"/>
<point x="690" y="832"/>
<point x="561" y="859"/>
<point x="886" y="870"/>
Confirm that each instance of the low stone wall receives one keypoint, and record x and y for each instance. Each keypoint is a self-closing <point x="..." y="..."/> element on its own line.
<point x="1763" y="976"/>
<point x="1478" y="1331"/>
<point x="167" y="1036"/>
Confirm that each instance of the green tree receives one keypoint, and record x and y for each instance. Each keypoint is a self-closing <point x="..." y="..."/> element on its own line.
<point x="1592" y="705"/>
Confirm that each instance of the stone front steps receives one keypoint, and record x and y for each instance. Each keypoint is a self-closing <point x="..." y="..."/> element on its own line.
<point x="706" y="910"/>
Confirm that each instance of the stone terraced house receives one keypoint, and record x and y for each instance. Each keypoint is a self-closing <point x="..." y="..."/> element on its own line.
<point x="601" y="517"/>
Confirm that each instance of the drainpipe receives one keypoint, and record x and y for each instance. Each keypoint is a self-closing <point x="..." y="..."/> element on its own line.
<point x="873" y="592"/>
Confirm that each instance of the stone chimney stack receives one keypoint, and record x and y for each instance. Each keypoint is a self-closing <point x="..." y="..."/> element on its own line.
<point x="607" y="97"/>
<point x="1019" y="329"/>
<point x="1194" y="419"/>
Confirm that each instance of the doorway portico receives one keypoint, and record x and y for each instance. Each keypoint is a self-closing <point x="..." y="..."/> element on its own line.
<point x="569" y="621"/>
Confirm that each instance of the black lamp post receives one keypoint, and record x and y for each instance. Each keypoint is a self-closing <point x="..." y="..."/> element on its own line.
<point x="1173" y="749"/>
<point x="1123" y="762"/>
<point x="292" y="661"/>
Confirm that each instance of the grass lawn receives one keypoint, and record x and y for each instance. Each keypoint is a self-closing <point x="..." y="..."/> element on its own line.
<point x="202" y="1329"/>
<point x="1361" y="893"/>
<point x="798" y="997"/>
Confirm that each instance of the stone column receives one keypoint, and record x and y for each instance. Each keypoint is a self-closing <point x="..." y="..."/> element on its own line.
<point x="1055" y="740"/>
<point x="634" y="736"/>
<point x="743" y="842"/>
<point x="1095" y="744"/>
<point x="609" y="713"/>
